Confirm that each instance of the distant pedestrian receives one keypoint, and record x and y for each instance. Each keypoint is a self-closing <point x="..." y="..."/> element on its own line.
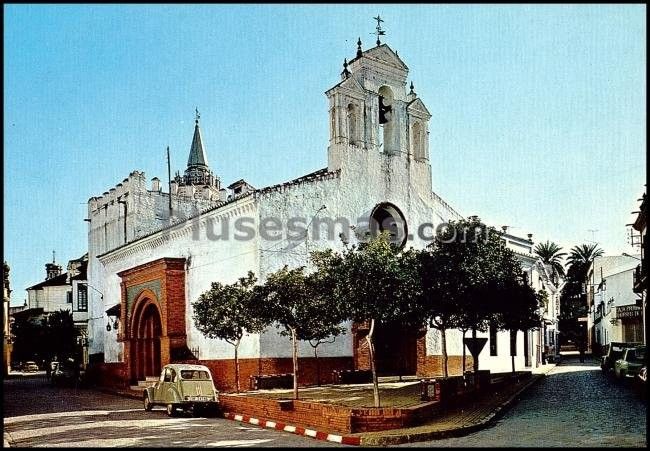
<point x="582" y="352"/>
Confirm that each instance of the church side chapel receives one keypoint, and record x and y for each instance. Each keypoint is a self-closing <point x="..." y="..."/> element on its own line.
<point x="152" y="253"/>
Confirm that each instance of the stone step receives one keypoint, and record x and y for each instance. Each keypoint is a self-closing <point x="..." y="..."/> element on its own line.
<point x="136" y="388"/>
<point x="144" y="384"/>
<point x="151" y="378"/>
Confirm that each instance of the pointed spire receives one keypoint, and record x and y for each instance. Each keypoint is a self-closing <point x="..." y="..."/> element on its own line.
<point x="412" y="88"/>
<point x="197" y="155"/>
<point x="359" y="51"/>
<point x="346" y="72"/>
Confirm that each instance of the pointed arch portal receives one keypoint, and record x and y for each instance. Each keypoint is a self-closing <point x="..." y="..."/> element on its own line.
<point x="152" y="311"/>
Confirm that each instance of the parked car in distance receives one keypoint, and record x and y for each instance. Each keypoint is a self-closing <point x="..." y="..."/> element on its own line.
<point x="612" y="352"/>
<point x="30" y="367"/>
<point x="183" y="386"/>
<point x="631" y="362"/>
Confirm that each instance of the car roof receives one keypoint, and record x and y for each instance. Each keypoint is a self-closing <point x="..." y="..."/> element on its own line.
<point x="186" y="366"/>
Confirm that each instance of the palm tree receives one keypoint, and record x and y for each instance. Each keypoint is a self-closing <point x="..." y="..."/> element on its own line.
<point x="550" y="254"/>
<point x="581" y="257"/>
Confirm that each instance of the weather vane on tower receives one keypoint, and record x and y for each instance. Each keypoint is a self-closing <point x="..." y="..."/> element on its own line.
<point x="379" y="31"/>
<point x="198" y="116"/>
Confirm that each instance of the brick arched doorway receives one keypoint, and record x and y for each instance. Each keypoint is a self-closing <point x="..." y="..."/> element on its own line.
<point x="146" y="342"/>
<point x="152" y="310"/>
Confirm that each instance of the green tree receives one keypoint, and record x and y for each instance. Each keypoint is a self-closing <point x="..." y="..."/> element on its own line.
<point x="581" y="257"/>
<point x="374" y="283"/>
<point x="479" y="267"/>
<point x="322" y="316"/>
<point x="294" y="302"/>
<point x="227" y="312"/>
<point x="60" y="335"/>
<point x="28" y="338"/>
<point x="573" y="299"/>
<point x="551" y="254"/>
<point x="520" y="309"/>
<point x="439" y="306"/>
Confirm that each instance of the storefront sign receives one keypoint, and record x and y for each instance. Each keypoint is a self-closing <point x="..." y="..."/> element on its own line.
<point x="628" y="311"/>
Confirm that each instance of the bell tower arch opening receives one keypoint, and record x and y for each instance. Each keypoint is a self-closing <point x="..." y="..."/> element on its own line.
<point x="353" y="125"/>
<point x="386" y="120"/>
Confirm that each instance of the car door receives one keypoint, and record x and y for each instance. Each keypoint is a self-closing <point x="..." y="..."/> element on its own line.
<point x="161" y="387"/>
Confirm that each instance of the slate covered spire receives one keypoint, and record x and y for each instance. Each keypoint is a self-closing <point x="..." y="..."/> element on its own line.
<point x="197" y="172"/>
<point x="197" y="154"/>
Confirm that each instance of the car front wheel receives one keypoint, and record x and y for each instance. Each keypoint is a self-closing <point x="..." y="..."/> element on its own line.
<point x="147" y="403"/>
<point x="171" y="410"/>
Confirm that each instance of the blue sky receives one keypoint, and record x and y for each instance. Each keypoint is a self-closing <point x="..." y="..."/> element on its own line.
<point x="538" y="111"/>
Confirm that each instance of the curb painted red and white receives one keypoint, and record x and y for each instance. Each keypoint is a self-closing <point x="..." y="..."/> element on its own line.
<point x="278" y="426"/>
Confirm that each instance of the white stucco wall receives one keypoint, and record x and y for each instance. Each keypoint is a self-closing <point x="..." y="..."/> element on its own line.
<point x="360" y="177"/>
<point x="618" y="287"/>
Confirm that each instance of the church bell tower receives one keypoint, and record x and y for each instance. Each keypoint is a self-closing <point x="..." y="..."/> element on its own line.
<point x="370" y="109"/>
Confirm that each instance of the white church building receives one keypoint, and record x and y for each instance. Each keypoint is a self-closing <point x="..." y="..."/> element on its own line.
<point x="152" y="253"/>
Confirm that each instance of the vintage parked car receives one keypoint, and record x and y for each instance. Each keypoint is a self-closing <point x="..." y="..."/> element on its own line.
<point x="631" y="362"/>
<point x="612" y="352"/>
<point x="30" y="367"/>
<point x="183" y="386"/>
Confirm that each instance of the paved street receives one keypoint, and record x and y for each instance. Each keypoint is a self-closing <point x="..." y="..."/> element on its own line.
<point x="574" y="405"/>
<point x="37" y="415"/>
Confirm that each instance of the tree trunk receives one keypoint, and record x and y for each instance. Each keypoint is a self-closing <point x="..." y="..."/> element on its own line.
<point x="512" y="357"/>
<point x="371" y="350"/>
<point x="475" y="360"/>
<point x="295" y="363"/>
<point x="237" y="366"/>
<point x="464" y="353"/>
<point x="445" y="357"/>
<point x="317" y="365"/>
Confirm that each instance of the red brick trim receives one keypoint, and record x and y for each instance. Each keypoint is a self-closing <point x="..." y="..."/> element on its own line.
<point x="278" y="426"/>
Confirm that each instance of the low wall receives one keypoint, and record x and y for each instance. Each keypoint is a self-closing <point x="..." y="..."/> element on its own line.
<point x="223" y="371"/>
<point x="326" y="416"/>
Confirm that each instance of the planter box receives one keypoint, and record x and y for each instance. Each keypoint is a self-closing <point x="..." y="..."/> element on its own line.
<point x="352" y="376"/>
<point x="268" y="381"/>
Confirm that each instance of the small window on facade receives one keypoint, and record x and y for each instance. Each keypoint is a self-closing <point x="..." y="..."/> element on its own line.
<point x="82" y="299"/>
<point x="69" y="297"/>
<point x="493" y="340"/>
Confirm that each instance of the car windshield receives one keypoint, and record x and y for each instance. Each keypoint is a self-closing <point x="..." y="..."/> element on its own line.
<point x="638" y="355"/>
<point x="195" y="375"/>
<point x="615" y="355"/>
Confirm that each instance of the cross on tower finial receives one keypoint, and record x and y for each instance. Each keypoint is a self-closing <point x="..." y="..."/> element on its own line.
<point x="53" y="256"/>
<point x="379" y="31"/>
<point x="198" y="116"/>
